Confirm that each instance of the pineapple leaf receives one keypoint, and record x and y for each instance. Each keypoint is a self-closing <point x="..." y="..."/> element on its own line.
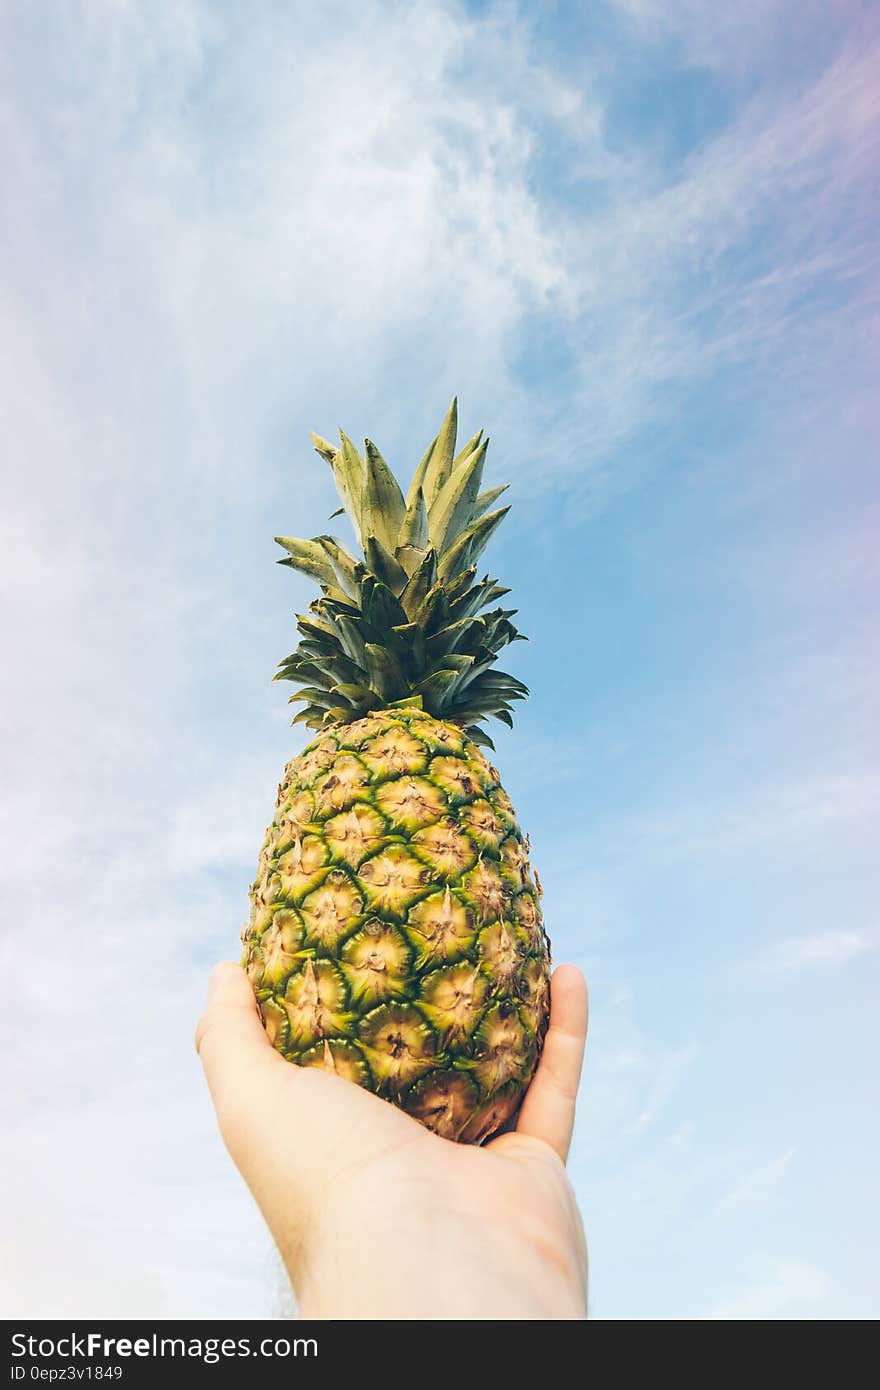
<point x="357" y="695"/>
<point x="409" y="646"/>
<point x="386" y="677"/>
<point x="314" y="695"/>
<point x="485" y="500"/>
<point x="341" y="668"/>
<point x="477" y="734"/>
<point x="471" y="543"/>
<point x="346" y="475"/>
<point x="336" y="594"/>
<point x="324" y="447"/>
<point x="434" y="611"/>
<point x="414" y="531"/>
<point x="440" y="465"/>
<point x="337" y="714"/>
<point x="410" y="557"/>
<point x="463" y="633"/>
<point x="344" y="564"/>
<point x="436" y="689"/>
<point x="302" y="671"/>
<point x="383" y="508"/>
<point x="451" y="510"/>
<point x="420" y="584"/>
<point x="474" y="599"/>
<point x="348" y="470"/>
<point x="461" y="583"/>
<point x="385" y="566"/>
<point x="381" y="610"/>
<point x="468" y="449"/>
<point x="308" y="557"/>
<point x="419" y="475"/>
<point x="351" y="637"/>
<point x="311" y="715"/>
<point x="314" y="628"/>
<point x="410" y="622"/>
<point x="457" y="661"/>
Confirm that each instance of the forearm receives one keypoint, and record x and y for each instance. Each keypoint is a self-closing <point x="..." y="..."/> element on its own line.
<point x="387" y="1259"/>
<point x="388" y="1282"/>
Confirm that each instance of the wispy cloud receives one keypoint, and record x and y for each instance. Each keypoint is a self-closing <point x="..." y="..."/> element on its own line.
<point x="827" y="948"/>
<point x="718" y="265"/>
<point x="631" y="1077"/>
<point x="669" y="1073"/>
<point x="734" y="43"/>
<point x="227" y="230"/>
<point x="758" y="1186"/>
<point x="210" y="237"/>
<point x="793" y="812"/>
<point x="775" y="1288"/>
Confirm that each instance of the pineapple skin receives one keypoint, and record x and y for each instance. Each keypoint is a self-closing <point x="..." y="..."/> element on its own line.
<point x="396" y="935"/>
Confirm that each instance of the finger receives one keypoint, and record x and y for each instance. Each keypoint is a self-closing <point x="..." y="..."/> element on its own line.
<point x="231" y="1009"/>
<point x="231" y="1041"/>
<point x="548" y="1110"/>
<point x="267" y="1108"/>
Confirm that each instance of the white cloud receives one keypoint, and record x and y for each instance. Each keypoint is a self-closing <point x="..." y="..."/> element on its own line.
<point x="630" y="1077"/>
<point x="826" y="948"/>
<point x="824" y="563"/>
<point x="225" y="232"/>
<point x="790" y="812"/>
<point x="219" y="223"/>
<point x="775" y="1288"/>
<point x="668" y="1076"/>
<point x="716" y="265"/>
<point x="759" y="1186"/>
<point x="730" y="40"/>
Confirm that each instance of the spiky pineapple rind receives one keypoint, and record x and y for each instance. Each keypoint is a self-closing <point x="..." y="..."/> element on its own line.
<point x="411" y="960"/>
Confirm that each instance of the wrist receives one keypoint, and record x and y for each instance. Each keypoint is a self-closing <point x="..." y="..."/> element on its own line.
<point x="362" y="1270"/>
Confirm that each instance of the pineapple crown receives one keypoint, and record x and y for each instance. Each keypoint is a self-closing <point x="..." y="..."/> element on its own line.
<point x="406" y="625"/>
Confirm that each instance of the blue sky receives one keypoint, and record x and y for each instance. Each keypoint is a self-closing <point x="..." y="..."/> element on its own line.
<point x="639" y="240"/>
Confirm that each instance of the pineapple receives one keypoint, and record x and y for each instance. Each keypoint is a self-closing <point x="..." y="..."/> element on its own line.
<point x="395" y="935"/>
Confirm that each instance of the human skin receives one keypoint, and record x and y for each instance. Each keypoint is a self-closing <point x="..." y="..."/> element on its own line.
<point x="376" y="1217"/>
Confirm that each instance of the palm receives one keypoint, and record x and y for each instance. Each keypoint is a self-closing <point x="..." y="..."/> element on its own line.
<point x="347" y="1181"/>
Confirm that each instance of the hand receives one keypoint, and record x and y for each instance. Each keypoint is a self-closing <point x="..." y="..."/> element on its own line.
<point x="376" y="1217"/>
